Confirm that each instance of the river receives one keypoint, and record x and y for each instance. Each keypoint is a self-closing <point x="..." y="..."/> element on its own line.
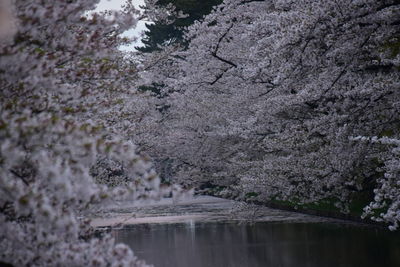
<point x="211" y="232"/>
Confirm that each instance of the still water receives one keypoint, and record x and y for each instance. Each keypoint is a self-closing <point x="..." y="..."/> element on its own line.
<point x="262" y="244"/>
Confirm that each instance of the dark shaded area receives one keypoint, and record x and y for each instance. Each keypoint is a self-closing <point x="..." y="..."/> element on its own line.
<point x="161" y="34"/>
<point x="262" y="244"/>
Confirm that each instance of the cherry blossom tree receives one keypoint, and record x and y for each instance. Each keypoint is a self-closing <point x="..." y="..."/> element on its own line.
<point x="67" y="96"/>
<point x="270" y="96"/>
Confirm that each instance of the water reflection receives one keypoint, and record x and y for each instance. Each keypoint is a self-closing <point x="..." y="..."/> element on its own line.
<point x="261" y="244"/>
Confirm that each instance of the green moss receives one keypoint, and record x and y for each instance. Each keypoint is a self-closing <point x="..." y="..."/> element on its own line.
<point x="24" y="200"/>
<point x="108" y="148"/>
<point x="251" y="195"/>
<point x="40" y="51"/>
<point x="54" y="119"/>
<point x="69" y="110"/>
<point x="358" y="201"/>
<point x="87" y="60"/>
<point x="119" y="101"/>
<point x="393" y="47"/>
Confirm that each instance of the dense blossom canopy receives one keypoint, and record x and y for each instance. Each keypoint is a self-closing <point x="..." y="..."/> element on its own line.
<point x="294" y="100"/>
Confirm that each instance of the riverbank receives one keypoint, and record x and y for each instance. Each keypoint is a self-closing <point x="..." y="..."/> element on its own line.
<point x="319" y="212"/>
<point x="199" y="209"/>
<point x="324" y="209"/>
